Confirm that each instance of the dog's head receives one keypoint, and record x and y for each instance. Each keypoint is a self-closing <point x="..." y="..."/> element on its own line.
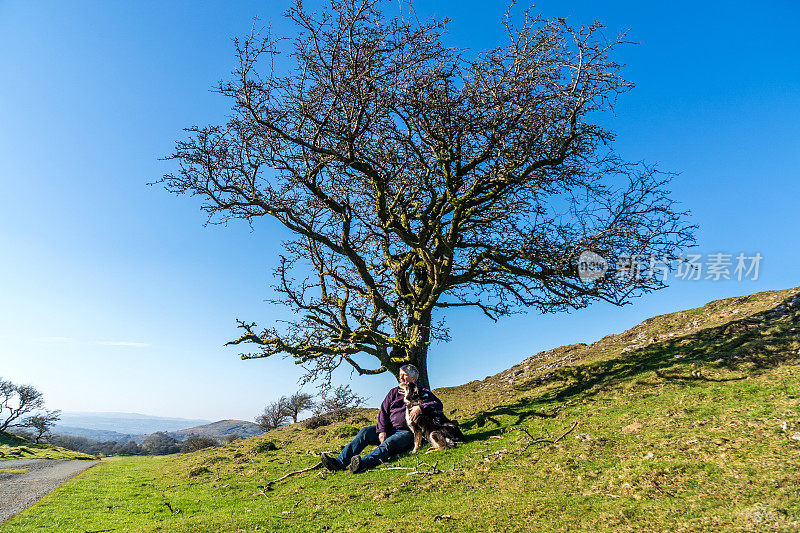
<point x="412" y="394"/>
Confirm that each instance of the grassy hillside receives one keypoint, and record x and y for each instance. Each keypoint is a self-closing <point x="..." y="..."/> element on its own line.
<point x="13" y="447"/>
<point x="689" y="421"/>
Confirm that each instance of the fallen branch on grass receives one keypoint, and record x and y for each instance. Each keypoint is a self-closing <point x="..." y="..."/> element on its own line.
<point x="548" y="441"/>
<point x="533" y="441"/>
<point x="432" y="470"/>
<point x="171" y="510"/>
<point x="661" y="490"/>
<point x="268" y="486"/>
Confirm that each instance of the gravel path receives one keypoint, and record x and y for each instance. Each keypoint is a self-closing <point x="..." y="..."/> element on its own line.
<point x="20" y="491"/>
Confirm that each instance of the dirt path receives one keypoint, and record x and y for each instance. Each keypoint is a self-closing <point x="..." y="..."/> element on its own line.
<point x="18" y="491"/>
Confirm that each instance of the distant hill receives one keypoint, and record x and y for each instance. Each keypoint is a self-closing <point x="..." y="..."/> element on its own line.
<point x="221" y="429"/>
<point x="124" y="427"/>
<point x="94" y="434"/>
<point x="120" y="424"/>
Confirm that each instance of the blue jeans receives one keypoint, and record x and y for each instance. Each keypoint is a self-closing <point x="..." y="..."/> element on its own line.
<point x="398" y="442"/>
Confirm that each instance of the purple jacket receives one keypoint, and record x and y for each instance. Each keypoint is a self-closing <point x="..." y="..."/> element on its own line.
<point x="393" y="410"/>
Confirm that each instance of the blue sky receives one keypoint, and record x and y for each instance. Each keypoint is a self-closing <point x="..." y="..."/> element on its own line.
<point x="115" y="297"/>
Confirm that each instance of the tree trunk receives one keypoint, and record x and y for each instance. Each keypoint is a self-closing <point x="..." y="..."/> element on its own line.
<point x="420" y="336"/>
<point x="419" y="358"/>
<point x="415" y="350"/>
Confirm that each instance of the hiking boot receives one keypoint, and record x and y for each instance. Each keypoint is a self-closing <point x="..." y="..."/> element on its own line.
<point x="330" y="463"/>
<point x="355" y="464"/>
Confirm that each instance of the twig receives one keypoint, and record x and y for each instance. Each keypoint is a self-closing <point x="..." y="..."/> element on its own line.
<point x="570" y="430"/>
<point x="433" y="470"/>
<point x="173" y="511"/>
<point x="662" y="491"/>
<point x="548" y="441"/>
<point x="532" y="441"/>
<point x="268" y="486"/>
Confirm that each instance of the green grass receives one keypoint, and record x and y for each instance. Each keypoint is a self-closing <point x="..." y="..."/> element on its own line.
<point x="689" y="432"/>
<point x="13" y="447"/>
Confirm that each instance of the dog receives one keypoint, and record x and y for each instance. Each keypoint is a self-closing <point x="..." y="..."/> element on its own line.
<point x="436" y="428"/>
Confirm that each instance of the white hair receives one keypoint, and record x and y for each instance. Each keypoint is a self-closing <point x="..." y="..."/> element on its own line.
<point x="411" y="370"/>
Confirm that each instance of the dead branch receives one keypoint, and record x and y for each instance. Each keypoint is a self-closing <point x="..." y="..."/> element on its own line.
<point x="269" y="484"/>
<point x="533" y="441"/>
<point x="431" y="471"/>
<point x="661" y="490"/>
<point x="173" y="511"/>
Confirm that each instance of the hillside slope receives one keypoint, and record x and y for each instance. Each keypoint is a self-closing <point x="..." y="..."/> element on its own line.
<point x="13" y="447"/>
<point x="688" y="422"/>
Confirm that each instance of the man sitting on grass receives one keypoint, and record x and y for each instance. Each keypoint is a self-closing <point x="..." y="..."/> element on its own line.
<point x="391" y="434"/>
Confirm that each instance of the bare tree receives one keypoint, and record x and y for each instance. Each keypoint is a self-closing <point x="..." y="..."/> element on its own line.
<point x="416" y="178"/>
<point x="16" y="401"/>
<point x="274" y="415"/>
<point x="41" y="424"/>
<point x="230" y="439"/>
<point x="298" y="402"/>
<point x="193" y="443"/>
<point x="337" y="405"/>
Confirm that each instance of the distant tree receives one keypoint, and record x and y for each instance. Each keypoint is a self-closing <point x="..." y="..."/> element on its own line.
<point x="298" y="402"/>
<point x="414" y="177"/>
<point x="93" y="447"/>
<point x="75" y="443"/>
<point x="160" y="444"/>
<point x="22" y="433"/>
<point x="130" y="448"/>
<point x="193" y="442"/>
<point x="229" y="439"/>
<point x="41" y="424"/>
<point x="340" y="403"/>
<point x="16" y="401"/>
<point x="274" y="415"/>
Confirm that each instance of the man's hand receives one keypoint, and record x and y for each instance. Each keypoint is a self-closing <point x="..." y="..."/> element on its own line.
<point x="415" y="412"/>
<point x="381" y="437"/>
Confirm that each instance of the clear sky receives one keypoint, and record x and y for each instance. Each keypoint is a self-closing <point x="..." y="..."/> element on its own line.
<point x="115" y="297"/>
